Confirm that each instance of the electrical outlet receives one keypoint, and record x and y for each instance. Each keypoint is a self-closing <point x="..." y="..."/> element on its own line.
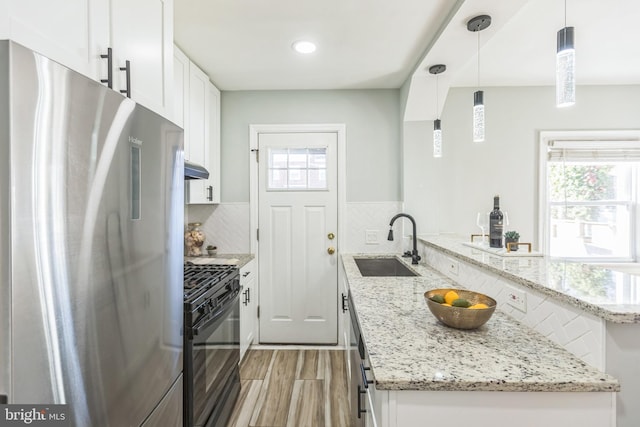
<point x="517" y="298"/>
<point x="371" y="237"/>
<point x="453" y="266"/>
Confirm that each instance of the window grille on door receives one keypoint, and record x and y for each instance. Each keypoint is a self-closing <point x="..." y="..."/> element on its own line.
<point x="295" y="169"/>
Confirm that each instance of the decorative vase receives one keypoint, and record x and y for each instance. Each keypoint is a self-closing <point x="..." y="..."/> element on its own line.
<point x="507" y="241"/>
<point x="193" y="239"/>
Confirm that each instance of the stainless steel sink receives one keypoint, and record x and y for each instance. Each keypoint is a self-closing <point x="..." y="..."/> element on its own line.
<point x="382" y="267"/>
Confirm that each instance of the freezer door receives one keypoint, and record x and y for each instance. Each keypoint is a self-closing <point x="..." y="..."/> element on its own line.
<point x="96" y="241"/>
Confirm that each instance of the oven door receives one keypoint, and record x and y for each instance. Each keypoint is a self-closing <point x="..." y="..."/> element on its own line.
<point x="215" y="354"/>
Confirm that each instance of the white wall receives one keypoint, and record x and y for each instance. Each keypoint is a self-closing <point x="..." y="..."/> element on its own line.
<point x="372" y="119"/>
<point x="445" y="194"/>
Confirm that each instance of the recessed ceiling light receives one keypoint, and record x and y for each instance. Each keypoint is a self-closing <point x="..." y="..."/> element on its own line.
<point x="303" y="46"/>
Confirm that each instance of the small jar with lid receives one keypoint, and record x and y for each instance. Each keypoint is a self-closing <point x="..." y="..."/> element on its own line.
<point x="193" y="239"/>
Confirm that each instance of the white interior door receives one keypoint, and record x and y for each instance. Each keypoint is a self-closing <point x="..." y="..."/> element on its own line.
<point x="297" y="224"/>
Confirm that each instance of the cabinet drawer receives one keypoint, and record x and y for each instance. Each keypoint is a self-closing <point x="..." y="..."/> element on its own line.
<point x="247" y="273"/>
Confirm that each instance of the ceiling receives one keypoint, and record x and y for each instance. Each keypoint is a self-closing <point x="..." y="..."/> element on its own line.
<point x="246" y="45"/>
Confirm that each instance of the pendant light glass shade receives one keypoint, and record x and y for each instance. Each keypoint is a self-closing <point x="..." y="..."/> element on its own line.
<point x="476" y="25"/>
<point x="478" y="116"/>
<point x="437" y="139"/>
<point x="565" y="68"/>
<point x="437" y="124"/>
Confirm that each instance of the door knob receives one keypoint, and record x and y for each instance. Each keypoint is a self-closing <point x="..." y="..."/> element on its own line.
<point x="331" y="236"/>
<point x="331" y="250"/>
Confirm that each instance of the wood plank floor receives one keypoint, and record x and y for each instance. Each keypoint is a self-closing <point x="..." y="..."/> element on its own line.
<point x="292" y="388"/>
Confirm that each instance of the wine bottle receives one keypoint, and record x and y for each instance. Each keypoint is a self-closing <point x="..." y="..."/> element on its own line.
<point x="496" y="224"/>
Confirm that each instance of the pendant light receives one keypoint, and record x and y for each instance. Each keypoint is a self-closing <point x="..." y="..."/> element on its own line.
<point x="565" y="65"/>
<point x="437" y="129"/>
<point x="476" y="25"/>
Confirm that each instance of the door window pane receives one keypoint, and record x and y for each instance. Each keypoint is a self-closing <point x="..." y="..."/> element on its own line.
<point x="278" y="178"/>
<point x="298" y="158"/>
<point x="297" y="169"/>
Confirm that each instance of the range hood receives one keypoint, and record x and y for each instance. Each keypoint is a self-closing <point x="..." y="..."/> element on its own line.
<point x="194" y="171"/>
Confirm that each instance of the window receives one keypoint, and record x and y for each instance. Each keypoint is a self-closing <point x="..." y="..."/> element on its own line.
<point x="589" y="196"/>
<point x="297" y="169"/>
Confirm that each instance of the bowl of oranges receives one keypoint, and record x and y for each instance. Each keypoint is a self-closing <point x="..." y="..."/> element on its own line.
<point x="460" y="308"/>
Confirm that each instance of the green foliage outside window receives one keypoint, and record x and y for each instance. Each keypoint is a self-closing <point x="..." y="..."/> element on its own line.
<point x="577" y="183"/>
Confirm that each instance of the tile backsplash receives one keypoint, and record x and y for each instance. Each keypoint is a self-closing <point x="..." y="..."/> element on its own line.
<point x="371" y="220"/>
<point x="226" y="226"/>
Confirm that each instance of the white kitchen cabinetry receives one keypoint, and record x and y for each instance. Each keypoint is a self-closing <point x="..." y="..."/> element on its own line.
<point x="69" y="32"/>
<point x="248" y="314"/>
<point x="142" y="33"/>
<point x="76" y="33"/>
<point x="345" y="318"/>
<point x="491" y="409"/>
<point x="214" y="141"/>
<point x="181" y="65"/>
<point x="203" y="143"/>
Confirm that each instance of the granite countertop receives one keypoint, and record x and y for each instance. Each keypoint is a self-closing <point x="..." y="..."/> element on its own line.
<point x="606" y="293"/>
<point x="409" y="349"/>
<point x="224" y="259"/>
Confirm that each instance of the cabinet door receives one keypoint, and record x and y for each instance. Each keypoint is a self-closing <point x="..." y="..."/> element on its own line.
<point x="198" y="145"/>
<point x="141" y="31"/>
<point x="214" y="143"/>
<point x="66" y="31"/>
<point x="248" y="313"/>
<point x="181" y="92"/>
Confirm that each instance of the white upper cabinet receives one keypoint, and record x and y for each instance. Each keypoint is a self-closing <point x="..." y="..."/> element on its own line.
<point x="197" y="108"/>
<point x="142" y="33"/>
<point x="197" y="147"/>
<point x="64" y="31"/>
<point x="180" y="89"/>
<point x="214" y="143"/>
<point x="76" y="33"/>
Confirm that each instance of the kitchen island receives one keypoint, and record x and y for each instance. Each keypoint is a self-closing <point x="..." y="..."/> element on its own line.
<point x="502" y="374"/>
<point x="592" y="310"/>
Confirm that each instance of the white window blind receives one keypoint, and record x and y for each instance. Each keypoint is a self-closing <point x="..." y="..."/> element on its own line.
<point x="605" y="151"/>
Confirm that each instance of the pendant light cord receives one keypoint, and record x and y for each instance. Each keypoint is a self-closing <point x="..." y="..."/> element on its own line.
<point x="478" y="59"/>
<point x="565" y="13"/>
<point x="437" y="100"/>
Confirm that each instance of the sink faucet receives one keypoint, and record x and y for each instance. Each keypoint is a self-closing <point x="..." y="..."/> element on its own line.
<point x="414" y="254"/>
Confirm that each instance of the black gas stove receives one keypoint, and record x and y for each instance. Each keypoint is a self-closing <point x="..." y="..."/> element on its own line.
<point x="211" y="343"/>
<point x="200" y="277"/>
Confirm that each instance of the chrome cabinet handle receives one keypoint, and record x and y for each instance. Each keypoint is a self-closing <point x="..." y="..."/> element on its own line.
<point x="109" y="58"/>
<point x="127" y="70"/>
<point x="210" y="193"/>
<point x="344" y="303"/>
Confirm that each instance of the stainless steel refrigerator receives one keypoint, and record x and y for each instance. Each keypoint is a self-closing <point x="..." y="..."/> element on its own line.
<point x="91" y="220"/>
